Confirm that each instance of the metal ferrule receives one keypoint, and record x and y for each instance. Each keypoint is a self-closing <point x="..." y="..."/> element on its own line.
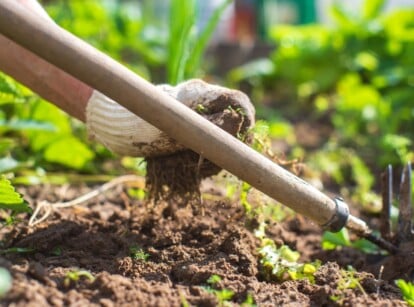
<point x="340" y="218"/>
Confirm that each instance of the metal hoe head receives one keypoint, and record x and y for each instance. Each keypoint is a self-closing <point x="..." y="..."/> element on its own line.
<point x="398" y="235"/>
<point x="402" y="237"/>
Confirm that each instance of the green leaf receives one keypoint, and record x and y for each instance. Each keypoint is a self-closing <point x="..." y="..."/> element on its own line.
<point x="7" y="86"/>
<point x="10" y="199"/>
<point x="372" y="8"/>
<point x="182" y="25"/>
<point x="407" y="291"/>
<point x="194" y="59"/>
<point x="69" y="151"/>
<point x="331" y="240"/>
<point x="213" y="279"/>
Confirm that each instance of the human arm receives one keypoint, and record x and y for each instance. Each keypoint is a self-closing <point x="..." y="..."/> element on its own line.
<point x="51" y="83"/>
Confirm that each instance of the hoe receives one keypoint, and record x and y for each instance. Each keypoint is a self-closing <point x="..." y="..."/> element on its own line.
<point x="91" y="66"/>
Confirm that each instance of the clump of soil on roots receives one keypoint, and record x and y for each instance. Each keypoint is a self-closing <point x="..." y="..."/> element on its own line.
<point x="177" y="177"/>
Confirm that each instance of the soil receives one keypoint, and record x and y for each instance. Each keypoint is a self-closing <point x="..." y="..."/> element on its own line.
<point x="183" y="250"/>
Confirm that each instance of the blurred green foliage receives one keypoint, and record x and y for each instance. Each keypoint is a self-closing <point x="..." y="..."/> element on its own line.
<point x="356" y="75"/>
<point x="34" y="132"/>
<point x="361" y="72"/>
<point x="131" y="32"/>
<point x="186" y="41"/>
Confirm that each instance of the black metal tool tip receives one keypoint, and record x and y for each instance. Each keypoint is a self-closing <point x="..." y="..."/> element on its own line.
<point x="380" y="242"/>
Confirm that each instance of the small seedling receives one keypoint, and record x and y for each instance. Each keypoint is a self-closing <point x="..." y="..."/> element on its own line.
<point x="184" y="302"/>
<point x="407" y="291"/>
<point x="249" y="301"/>
<point x="348" y="281"/>
<point x="137" y="253"/>
<point x="282" y="263"/>
<point x="224" y="295"/>
<point x="213" y="279"/>
<point x="75" y="276"/>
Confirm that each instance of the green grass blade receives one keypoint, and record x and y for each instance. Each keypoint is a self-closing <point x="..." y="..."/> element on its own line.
<point x="182" y="23"/>
<point x="193" y="63"/>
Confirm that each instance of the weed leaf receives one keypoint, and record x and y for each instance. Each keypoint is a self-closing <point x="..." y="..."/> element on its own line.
<point x="10" y="199"/>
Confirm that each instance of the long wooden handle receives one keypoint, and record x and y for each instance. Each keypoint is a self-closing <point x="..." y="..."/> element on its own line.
<point x="91" y="66"/>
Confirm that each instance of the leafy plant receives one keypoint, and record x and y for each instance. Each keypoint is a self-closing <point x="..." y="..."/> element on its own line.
<point x="224" y="295"/>
<point x="249" y="301"/>
<point x="407" y="291"/>
<point x="74" y="276"/>
<point x="348" y="280"/>
<point x="137" y="253"/>
<point x="282" y="264"/>
<point x="331" y="240"/>
<point x="186" y="43"/>
<point x="44" y="132"/>
<point x="10" y="199"/>
<point x="355" y="75"/>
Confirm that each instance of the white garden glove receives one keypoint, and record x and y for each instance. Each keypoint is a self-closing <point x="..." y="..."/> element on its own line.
<point x="124" y="133"/>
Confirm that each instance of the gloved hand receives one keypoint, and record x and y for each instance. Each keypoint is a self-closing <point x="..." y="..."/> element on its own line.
<point x="124" y="133"/>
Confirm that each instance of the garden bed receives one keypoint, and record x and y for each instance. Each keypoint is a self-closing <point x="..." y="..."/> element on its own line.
<point x="120" y="251"/>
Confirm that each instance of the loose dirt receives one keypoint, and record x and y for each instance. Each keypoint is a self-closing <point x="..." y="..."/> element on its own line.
<point x="183" y="251"/>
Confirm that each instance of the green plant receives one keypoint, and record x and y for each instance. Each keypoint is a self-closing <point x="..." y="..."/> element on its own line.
<point x="331" y="240"/>
<point x="223" y="295"/>
<point x="11" y="203"/>
<point x="249" y="301"/>
<point x="407" y="291"/>
<point x="137" y="253"/>
<point x="348" y="280"/>
<point x="72" y="277"/>
<point x="10" y="199"/>
<point x="282" y="264"/>
<point x="186" y="42"/>
<point x="355" y="75"/>
<point x="44" y="133"/>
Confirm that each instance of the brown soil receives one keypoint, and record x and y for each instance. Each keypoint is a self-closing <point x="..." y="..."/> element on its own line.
<point x="184" y="250"/>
